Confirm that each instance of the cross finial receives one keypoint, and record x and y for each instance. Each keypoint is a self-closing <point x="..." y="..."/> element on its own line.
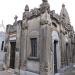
<point x="15" y="18"/>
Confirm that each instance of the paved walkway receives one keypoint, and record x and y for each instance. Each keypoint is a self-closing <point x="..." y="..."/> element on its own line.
<point x="69" y="71"/>
<point x="7" y="72"/>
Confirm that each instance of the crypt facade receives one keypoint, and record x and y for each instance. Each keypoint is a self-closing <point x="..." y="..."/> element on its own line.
<point x="42" y="42"/>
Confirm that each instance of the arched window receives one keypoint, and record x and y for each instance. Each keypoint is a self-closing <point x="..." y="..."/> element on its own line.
<point x="34" y="47"/>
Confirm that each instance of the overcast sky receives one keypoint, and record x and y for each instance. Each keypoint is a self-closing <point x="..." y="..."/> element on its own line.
<point x="10" y="8"/>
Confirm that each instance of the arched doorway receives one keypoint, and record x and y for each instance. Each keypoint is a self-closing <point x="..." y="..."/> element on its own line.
<point x="12" y="54"/>
<point x="56" y="51"/>
<point x="55" y="56"/>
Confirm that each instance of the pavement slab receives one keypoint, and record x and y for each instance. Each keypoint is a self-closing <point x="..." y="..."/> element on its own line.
<point x="69" y="71"/>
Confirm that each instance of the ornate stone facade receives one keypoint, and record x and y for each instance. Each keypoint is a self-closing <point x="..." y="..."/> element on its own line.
<point x="44" y="40"/>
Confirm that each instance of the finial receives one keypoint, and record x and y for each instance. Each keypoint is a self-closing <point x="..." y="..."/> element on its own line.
<point x="15" y="18"/>
<point x="63" y="5"/>
<point x="26" y="8"/>
<point x="44" y="0"/>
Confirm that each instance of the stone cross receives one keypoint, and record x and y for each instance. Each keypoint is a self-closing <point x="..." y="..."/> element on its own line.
<point x="15" y="18"/>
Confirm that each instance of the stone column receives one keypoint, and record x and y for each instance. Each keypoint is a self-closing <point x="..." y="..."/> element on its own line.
<point x="24" y="41"/>
<point x="46" y="55"/>
<point x="24" y="48"/>
<point x="7" y="48"/>
<point x="17" y="51"/>
<point x="8" y="55"/>
<point x="24" y="37"/>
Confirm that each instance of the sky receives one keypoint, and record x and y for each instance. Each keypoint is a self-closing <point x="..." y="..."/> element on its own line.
<point x="10" y="8"/>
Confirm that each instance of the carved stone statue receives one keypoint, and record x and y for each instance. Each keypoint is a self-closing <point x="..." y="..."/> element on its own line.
<point x="26" y="8"/>
<point x="44" y="0"/>
<point x="63" y="5"/>
<point x="25" y="17"/>
<point x="64" y="15"/>
<point x="45" y="6"/>
<point x="15" y="18"/>
<point x="25" y="14"/>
